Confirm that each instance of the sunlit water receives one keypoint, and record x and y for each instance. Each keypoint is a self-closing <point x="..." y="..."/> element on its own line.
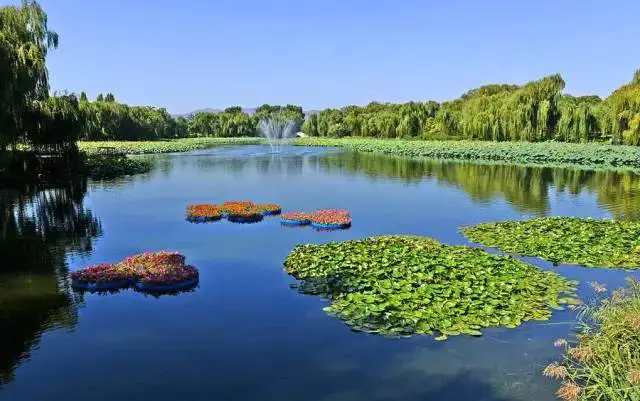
<point x="244" y="334"/>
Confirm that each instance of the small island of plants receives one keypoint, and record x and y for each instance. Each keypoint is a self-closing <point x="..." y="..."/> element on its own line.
<point x="295" y="218"/>
<point x="588" y="242"/>
<point x="148" y="272"/>
<point x="402" y="285"/>
<point x="235" y="211"/>
<point x="323" y="219"/>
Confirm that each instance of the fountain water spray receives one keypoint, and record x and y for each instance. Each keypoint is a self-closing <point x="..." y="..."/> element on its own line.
<point x="277" y="130"/>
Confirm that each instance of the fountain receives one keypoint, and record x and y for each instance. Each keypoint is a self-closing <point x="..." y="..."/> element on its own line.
<point x="277" y="130"/>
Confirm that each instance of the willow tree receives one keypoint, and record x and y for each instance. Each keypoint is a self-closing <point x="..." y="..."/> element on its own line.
<point x="24" y="42"/>
<point x="621" y="113"/>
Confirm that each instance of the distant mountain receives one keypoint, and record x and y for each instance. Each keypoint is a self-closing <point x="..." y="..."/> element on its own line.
<point x="249" y="110"/>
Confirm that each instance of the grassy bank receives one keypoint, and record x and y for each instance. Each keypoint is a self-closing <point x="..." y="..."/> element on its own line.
<point x="604" y="363"/>
<point x="167" y="146"/>
<point x="597" y="156"/>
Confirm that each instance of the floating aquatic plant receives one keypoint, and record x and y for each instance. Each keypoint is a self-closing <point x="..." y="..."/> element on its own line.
<point x="268" y="209"/>
<point x="168" y="275"/>
<point x="235" y="204"/>
<point x="591" y="155"/>
<point x="295" y="218"/>
<point x="102" y="273"/>
<point x="203" y="212"/>
<point x="588" y="242"/>
<point x="331" y="218"/>
<point x="148" y="260"/>
<point x="400" y="285"/>
<point x="239" y="214"/>
<point x="149" y="271"/>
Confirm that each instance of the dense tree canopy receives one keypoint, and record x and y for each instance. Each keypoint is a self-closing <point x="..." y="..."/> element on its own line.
<point x="535" y="111"/>
<point x="24" y="42"/>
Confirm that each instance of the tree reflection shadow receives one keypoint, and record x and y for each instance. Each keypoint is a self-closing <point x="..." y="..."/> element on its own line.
<point x="526" y="188"/>
<point x="39" y="227"/>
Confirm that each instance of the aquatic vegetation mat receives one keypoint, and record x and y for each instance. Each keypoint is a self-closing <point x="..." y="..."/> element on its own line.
<point x="604" y="362"/>
<point x="295" y="218"/>
<point x="203" y="212"/>
<point x="331" y="218"/>
<point x="268" y="209"/>
<point x="164" y="146"/>
<point x="402" y="285"/>
<point x="242" y="211"/>
<point x="588" y="155"/>
<point x="588" y="242"/>
<point x="323" y="219"/>
<point x="148" y="272"/>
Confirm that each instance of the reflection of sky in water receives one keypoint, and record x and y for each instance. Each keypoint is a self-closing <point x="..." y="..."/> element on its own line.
<point x="245" y="335"/>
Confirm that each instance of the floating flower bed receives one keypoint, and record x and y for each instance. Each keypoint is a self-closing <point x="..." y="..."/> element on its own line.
<point x="244" y="215"/>
<point x="268" y="209"/>
<point x="295" y="219"/>
<point x="203" y="212"/>
<point x="401" y="285"/>
<point x="149" y="260"/>
<point x="102" y="277"/>
<point x="168" y="279"/>
<point x="328" y="219"/>
<point x="233" y="204"/>
<point x="150" y="271"/>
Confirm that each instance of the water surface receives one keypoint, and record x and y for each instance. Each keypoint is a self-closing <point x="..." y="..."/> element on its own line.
<point x="244" y="333"/>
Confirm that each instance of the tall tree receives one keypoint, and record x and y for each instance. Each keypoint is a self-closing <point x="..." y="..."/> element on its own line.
<point x="25" y="39"/>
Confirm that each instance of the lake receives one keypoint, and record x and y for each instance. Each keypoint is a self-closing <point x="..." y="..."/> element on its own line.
<point x="244" y="333"/>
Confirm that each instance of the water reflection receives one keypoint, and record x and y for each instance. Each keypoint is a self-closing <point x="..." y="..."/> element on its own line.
<point x="527" y="189"/>
<point x="38" y="229"/>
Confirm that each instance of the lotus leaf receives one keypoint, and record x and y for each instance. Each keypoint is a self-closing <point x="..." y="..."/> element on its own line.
<point x="588" y="242"/>
<point x="400" y="285"/>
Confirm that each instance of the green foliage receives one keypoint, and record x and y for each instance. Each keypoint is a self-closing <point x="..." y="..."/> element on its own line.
<point x="145" y="147"/>
<point x="549" y="153"/>
<point x="24" y="42"/>
<point x="605" y="363"/>
<point x="400" y="285"/>
<point x="108" y="120"/>
<point x="105" y="166"/>
<point x="621" y="114"/>
<point x="233" y="122"/>
<point x="409" y="120"/>
<point x="588" y="242"/>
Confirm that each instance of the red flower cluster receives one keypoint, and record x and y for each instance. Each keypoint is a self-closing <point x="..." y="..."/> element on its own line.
<point x="101" y="273"/>
<point x="331" y="217"/>
<point x="168" y="275"/>
<point x="237" y="204"/>
<point x="149" y="267"/>
<point x="269" y="208"/>
<point x="205" y="210"/>
<point x="296" y="216"/>
<point x="149" y="260"/>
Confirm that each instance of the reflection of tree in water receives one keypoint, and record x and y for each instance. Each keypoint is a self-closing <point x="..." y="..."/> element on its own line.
<point x="526" y="188"/>
<point x="38" y="228"/>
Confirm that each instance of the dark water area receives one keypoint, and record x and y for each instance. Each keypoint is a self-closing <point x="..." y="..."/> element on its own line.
<point x="244" y="333"/>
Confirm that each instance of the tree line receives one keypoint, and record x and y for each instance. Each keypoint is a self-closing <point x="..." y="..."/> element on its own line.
<point x="535" y="111"/>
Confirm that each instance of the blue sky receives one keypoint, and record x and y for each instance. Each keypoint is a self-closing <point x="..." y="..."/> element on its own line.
<point x="191" y="54"/>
